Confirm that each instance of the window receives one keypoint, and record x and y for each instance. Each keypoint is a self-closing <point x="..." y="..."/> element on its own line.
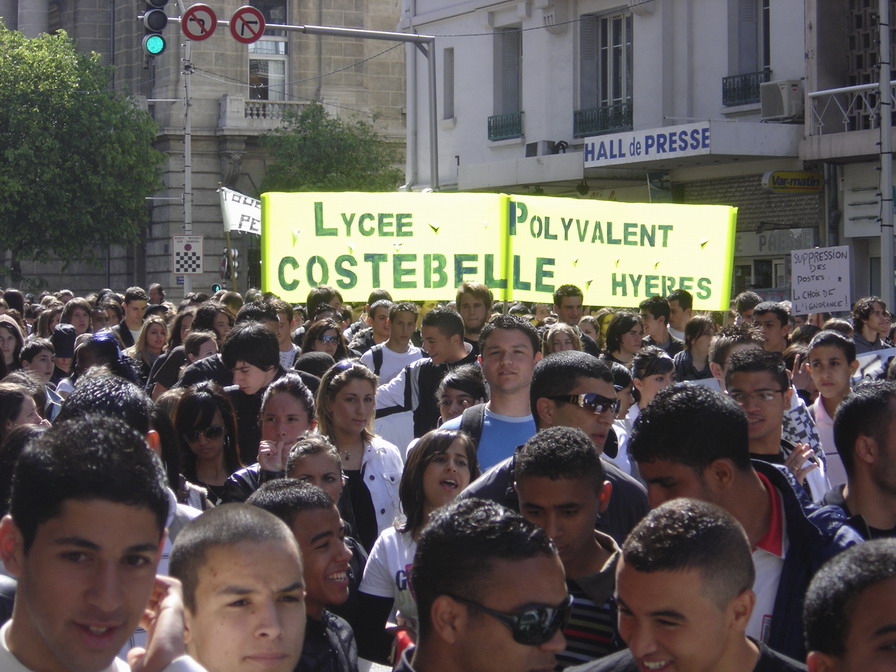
<point x="750" y="55"/>
<point x="268" y="56"/>
<point x="448" y="83"/>
<point x="508" y="70"/>
<point x="605" y="74"/>
<point x="753" y="45"/>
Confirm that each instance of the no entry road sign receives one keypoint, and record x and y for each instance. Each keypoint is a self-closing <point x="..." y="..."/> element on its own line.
<point x="247" y="24"/>
<point x="199" y="22"/>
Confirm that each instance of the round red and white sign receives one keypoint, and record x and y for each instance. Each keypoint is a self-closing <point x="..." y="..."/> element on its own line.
<point x="247" y="24"/>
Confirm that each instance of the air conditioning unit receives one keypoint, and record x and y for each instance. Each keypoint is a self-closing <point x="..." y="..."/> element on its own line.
<point x="782" y="99"/>
<point x="541" y="148"/>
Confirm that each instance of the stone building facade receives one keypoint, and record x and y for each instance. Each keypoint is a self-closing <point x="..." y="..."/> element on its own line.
<point x="238" y="93"/>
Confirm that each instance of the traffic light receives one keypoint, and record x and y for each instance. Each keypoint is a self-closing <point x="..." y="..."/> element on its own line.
<point x="154" y="22"/>
<point x="217" y="287"/>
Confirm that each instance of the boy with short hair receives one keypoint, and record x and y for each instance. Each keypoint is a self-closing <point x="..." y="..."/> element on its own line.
<point x="37" y="357"/>
<point x="849" y="612"/>
<point x="414" y="388"/>
<point x="387" y="360"/>
<point x="683" y="586"/>
<point x="315" y="521"/>
<point x="773" y="320"/>
<point x="251" y="351"/>
<point x="243" y="589"/>
<point x="87" y="520"/>
<point x="562" y="488"/>
<point x="655" y="313"/>
<point x="681" y="304"/>
<point x="831" y="363"/>
<point x="377" y="329"/>
<point x="128" y="330"/>
<point x="758" y="382"/>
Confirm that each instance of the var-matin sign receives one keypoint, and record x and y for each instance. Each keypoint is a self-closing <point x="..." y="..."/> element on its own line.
<point x="421" y="246"/>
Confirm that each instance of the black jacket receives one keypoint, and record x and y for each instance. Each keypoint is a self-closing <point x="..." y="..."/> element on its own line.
<point x="628" y="502"/>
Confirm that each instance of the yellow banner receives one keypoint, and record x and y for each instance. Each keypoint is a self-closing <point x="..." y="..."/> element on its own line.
<point x="421" y="246"/>
<point x="621" y="253"/>
<point x="418" y="246"/>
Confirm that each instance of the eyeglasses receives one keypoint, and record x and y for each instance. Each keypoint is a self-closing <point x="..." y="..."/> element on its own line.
<point x="764" y="396"/>
<point x="333" y="340"/>
<point x="534" y="624"/>
<point x="590" y="401"/>
<point x="212" y="432"/>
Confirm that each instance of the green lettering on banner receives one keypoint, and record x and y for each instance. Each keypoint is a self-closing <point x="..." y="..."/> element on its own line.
<point x="287" y="285"/>
<point x="461" y="268"/>
<point x="375" y="260"/>
<point x="490" y="280"/>
<point x="542" y="274"/>
<point x="535" y="226"/>
<point x="610" y="239"/>
<point x="385" y="223"/>
<point x="348" y="278"/>
<point x="618" y="286"/>
<point x="399" y="272"/>
<point x="434" y="273"/>
<point x="521" y="212"/>
<point x="704" y="288"/>
<point x="403" y="223"/>
<point x="668" y="285"/>
<point x="518" y="283"/>
<point x="651" y="286"/>
<point x="547" y="229"/>
<point x="319" y="228"/>
<point x="630" y="233"/>
<point x="686" y="283"/>
<point x="324" y="275"/>
<point x="366" y="217"/>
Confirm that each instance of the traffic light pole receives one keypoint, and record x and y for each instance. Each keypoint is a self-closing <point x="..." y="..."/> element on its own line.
<point x="188" y="148"/>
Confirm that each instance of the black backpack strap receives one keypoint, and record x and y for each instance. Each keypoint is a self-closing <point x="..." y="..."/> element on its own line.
<point x="377" y="353"/>
<point x="472" y="421"/>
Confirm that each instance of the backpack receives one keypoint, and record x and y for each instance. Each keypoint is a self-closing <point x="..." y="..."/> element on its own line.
<point x="471" y="422"/>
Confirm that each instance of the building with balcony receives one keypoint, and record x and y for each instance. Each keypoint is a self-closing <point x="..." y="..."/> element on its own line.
<point x="238" y="93"/>
<point x="552" y="96"/>
<point x="843" y="119"/>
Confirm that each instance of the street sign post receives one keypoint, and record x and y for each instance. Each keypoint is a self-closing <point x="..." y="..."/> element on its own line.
<point x="247" y="24"/>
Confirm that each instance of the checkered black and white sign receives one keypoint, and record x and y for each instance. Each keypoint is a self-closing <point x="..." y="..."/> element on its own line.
<point x="187" y="255"/>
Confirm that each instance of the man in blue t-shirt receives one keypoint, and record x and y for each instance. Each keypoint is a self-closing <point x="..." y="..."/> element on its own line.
<point x="508" y="352"/>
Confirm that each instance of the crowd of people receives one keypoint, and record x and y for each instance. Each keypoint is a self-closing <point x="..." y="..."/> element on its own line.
<point x="238" y="483"/>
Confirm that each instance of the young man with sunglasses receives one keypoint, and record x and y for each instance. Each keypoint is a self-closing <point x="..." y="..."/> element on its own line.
<point x="490" y="592"/>
<point x="560" y="482"/>
<point x="574" y="389"/>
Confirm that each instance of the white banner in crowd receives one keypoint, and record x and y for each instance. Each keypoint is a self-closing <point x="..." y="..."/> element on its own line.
<point x="240" y="212"/>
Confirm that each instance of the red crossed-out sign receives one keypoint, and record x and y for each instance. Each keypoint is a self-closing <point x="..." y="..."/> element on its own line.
<point x="199" y="22"/>
<point x="247" y="24"/>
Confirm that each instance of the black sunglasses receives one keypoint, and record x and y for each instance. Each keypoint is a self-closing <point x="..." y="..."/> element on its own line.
<point x="211" y="433"/>
<point x="534" y="624"/>
<point x="590" y="401"/>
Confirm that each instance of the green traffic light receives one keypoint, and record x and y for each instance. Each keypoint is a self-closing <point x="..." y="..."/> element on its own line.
<point x="154" y="44"/>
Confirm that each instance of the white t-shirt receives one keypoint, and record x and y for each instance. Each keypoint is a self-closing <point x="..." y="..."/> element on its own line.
<point x="393" y="362"/>
<point x="387" y="572"/>
<point x="768" y="568"/>
<point x="824" y="424"/>
<point x="288" y="357"/>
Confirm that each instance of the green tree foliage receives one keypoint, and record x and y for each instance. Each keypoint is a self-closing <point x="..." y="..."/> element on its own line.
<point x="317" y="152"/>
<point x="77" y="158"/>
